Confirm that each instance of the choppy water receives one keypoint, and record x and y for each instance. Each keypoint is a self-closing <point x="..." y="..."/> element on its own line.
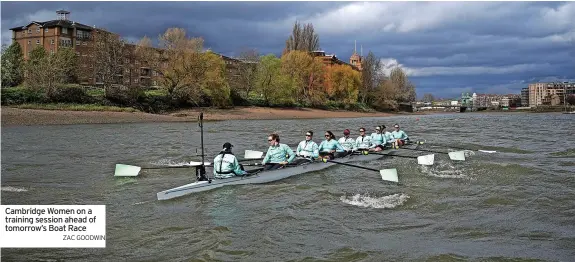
<point x="518" y="203"/>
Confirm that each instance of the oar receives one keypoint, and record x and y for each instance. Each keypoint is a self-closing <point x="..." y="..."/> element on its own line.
<point x="386" y="174"/>
<point x="129" y="170"/>
<point x="422" y="160"/>
<point x="463" y="148"/>
<point x="458" y="155"/>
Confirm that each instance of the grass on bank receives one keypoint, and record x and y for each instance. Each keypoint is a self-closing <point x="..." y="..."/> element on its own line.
<point x="76" y="107"/>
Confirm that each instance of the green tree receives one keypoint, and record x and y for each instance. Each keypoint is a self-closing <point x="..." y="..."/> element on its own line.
<point x="46" y="72"/>
<point x="273" y="86"/>
<point x="12" y="65"/>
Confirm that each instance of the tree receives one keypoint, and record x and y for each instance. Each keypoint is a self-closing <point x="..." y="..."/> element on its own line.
<point x="69" y="65"/>
<point x="302" y="38"/>
<point x="570" y="99"/>
<point x="248" y="70"/>
<point x="404" y="86"/>
<point x="273" y="86"/>
<point x="306" y="74"/>
<point x="342" y="83"/>
<point x="385" y="96"/>
<point x="12" y="65"/>
<point x="187" y="72"/>
<point x="371" y="76"/>
<point x="428" y="98"/>
<point x="45" y="72"/>
<point x="109" y="59"/>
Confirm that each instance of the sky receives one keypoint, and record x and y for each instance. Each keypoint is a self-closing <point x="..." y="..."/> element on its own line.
<point x="445" y="48"/>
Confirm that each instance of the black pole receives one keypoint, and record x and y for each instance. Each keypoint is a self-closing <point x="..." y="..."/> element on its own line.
<point x="202" y="134"/>
<point x="201" y="170"/>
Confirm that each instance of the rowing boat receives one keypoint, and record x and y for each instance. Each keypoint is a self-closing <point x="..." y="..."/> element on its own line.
<point x="265" y="176"/>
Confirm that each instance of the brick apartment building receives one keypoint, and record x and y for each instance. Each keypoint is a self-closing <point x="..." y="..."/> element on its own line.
<point x="65" y="33"/>
<point x="549" y="93"/>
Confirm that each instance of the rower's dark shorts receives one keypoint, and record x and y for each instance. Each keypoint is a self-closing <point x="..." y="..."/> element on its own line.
<point x="271" y="166"/>
<point x="342" y="154"/>
<point x="322" y="154"/>
<point x="381" y="146"/>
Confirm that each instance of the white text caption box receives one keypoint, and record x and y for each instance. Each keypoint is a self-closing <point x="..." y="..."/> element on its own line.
<point x="53" y="226"/>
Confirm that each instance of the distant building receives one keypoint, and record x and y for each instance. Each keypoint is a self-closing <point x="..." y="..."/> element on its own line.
<point x="330" y="60"/>
<point x="525" y="96"/>
<point x="66" y="33"/>
<point x="356" y="59"/>
<point x="543" y="93"/>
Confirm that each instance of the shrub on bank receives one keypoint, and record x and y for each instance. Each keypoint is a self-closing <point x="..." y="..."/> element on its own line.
<point x="21" y="95"/>
<point x="70" y="94"/>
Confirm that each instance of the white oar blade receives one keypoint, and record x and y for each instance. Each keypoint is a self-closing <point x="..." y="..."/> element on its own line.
<point x="127" y="170"/>
<point x="426" y="160"/>
<point x="194" y="163"/>
<point x="253" y="154"/>
<point x="487" y="151"/>
<point x="458" y="155"/>
<point x="389" y="174"/>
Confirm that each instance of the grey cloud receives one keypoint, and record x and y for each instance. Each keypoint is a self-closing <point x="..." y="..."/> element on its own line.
<point x="503" y="41"/>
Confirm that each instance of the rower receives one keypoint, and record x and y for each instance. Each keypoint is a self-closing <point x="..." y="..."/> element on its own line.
<point x="387" y="134"/>
<point x="363" y="142"/>
<point x="399" y="137"/>
<point x="329" y="146"/>
<point x="378" y="140"/>
<point x="306" y="149"/>
<point x="347" y="143"/>
<point x="226" y="165"/>
<point x="277" y="155"/>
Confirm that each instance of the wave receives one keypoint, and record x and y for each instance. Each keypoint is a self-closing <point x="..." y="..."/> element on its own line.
<point x="13" y="189"/>
<point x="390" y="201"/>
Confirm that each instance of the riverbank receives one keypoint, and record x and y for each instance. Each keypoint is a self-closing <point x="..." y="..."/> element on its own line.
<point x="24" y="117"/>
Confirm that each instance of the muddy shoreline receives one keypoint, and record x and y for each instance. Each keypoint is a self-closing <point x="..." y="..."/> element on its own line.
<point x="27" y="117"/>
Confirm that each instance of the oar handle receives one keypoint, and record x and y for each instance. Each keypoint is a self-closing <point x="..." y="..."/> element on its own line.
<point x="424" y="150"/>
<point x="382" y="154"/>
<point x="163" y="167"/>
<point x="346" y="164"/>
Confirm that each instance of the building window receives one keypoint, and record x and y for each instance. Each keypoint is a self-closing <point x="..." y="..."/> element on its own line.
<point x="84" y="43"/>
<point x="46" y="30"/>
<point x="77" y="42"/>
<point x="29" y="42"/>
<point x="136" y="80"/>
<point x="64" y="30"/>
<point x="29" y="31"/>
<point x="52" y="42"/>
<point x="38" y="30"/>
<point x="37" y="42"/>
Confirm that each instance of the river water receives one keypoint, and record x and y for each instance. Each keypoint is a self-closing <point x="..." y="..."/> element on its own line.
<point x="517" y="203"/>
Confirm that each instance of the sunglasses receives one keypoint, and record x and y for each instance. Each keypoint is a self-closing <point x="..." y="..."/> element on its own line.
<point x="307" y="135"/>
<point x="327" y="135"/>
<point x="361" y="130"/>
<point x="269" y="140"/>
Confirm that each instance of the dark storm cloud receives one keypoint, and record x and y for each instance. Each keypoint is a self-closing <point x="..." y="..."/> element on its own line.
<point x="445" y="47"/>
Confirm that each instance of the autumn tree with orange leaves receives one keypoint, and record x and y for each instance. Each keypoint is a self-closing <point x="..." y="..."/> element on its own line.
<point x="306" y="74"/>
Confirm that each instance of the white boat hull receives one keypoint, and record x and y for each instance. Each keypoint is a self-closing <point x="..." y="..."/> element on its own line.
<point x="262" y="177"/>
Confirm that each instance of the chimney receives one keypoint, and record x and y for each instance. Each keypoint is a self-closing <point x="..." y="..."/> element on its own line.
<point x="63" y="14"/>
